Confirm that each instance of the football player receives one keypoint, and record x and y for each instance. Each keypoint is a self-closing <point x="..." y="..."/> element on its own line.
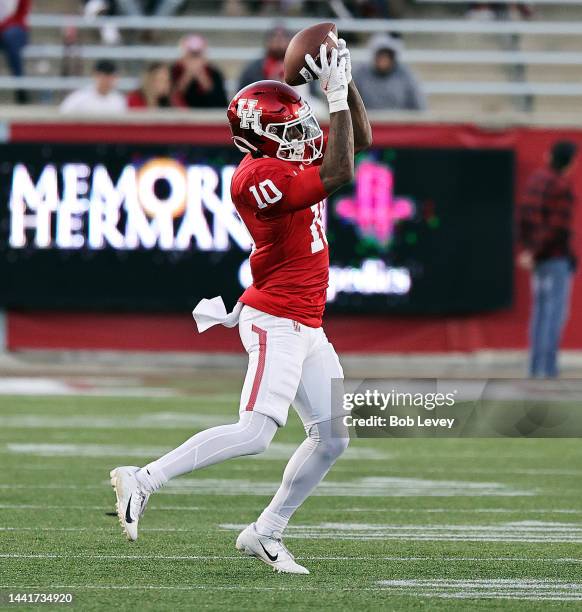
<point x="279" y="191"/>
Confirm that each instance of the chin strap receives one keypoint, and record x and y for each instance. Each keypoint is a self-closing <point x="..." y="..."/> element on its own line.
<point x="242" y="144"/>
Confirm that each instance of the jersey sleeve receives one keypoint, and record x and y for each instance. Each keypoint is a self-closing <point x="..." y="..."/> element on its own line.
<point x="279" y="188"/>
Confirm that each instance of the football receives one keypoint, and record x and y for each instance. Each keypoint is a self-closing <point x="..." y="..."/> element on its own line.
<point x="306" y="41"/>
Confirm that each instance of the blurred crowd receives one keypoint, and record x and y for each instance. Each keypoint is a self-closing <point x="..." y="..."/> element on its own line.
<point x="385" y="9"/>
<point x="193" y="81"/>
<point x="357" y="8"/>
<point x="385" y="82"/>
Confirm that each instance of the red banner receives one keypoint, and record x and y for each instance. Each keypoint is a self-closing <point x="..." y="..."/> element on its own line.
<point x="501" y="330"/>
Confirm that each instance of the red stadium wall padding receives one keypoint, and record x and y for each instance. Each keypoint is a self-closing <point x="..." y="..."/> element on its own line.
<point x="501" y="330"/>
<point x="139" y="332"/>
<point x="152" y="134"/>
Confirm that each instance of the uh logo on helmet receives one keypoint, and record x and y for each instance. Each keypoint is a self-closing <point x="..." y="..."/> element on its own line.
<point x="249" y="114"/>
<point x="270" y="118"/>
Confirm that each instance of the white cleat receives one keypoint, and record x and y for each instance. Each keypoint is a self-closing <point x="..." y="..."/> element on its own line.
<point x="131" y="500"/>
<point x="271" y="551"/>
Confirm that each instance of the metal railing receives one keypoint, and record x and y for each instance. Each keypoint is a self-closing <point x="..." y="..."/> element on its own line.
<point x="513" y="58"/>
<point x="263" y="24"/>
<point x="537" y="2"/>
<point x="42" y="114"/>
<point x="245" y="54"/>
<point x="477" y="88"/>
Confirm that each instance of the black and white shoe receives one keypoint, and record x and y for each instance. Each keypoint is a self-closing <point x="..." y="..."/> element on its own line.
<point x="131" y="500"/>
<point x="270" y="550"/>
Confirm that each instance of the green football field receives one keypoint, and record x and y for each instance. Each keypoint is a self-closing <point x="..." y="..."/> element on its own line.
<point x="397" y="525"/>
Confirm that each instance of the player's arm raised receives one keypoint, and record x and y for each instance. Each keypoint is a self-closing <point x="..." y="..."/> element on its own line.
<point x="337" y="168"/>
<point x="360" y="121"/>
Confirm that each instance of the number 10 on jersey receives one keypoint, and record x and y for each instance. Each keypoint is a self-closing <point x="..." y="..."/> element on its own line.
<point x="317" y="228"/>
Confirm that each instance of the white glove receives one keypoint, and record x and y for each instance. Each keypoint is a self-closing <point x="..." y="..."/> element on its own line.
<point x="332" y="78"/>
<point x="344" y="52"/>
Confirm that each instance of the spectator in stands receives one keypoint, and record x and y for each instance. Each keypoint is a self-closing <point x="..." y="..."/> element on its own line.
<point x="155" y="91"/>
<point x="134" y="8"/>
<point x="157" y="8"/>
<point x="499" y="11"/>
<point x="99" y="98"/>
<point x="101" y="8"/>
<point x="270" y="66"/>
<point x="369" y="8"/>
<point x="278" y="7"/>
<point x="386" y="83"/>
<point x="267" y="7"/>
<point x="546" y="218"/>
<point x="197" y="84"/>
<point x="14" y="37"/>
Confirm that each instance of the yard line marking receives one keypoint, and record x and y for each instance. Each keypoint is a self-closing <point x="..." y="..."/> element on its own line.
<point x="360" y="487"/>
<point x="190" y="587"/>
<point x="85" y="450"/>
<point x="56" y="487"/>
<point x="276" y="450"/>
<point x="393" y="510"/>
<point x="572" y="560"/>
<point x="390" y="510"/>
<point x="125" y="557"/>
<point x="493" y="470"/>
<point x="522" y="531"/>
<point x="102" y="508"/>
<point x="154" y="420"/>
<point x="504" y="456"/>
<point x="544" y="595"/>
<point x="75" y="529"/>
<point x="20" y="385"/>
<point x="523" y="589"/>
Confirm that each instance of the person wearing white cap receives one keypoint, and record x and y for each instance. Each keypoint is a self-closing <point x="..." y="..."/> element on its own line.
<point x="386" y="83"/>
<point x="196" y="83"/>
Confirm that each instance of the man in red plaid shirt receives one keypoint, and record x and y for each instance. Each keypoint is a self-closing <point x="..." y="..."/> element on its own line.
<point x="546" y="217"/>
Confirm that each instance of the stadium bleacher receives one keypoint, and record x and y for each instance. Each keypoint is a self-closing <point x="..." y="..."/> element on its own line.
<point x="466" y="66"/>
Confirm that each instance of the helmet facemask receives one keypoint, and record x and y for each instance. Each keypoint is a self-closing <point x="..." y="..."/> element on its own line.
<point x="300" y="140"/>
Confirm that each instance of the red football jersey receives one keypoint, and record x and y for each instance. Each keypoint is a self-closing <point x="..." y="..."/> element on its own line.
<point x="281" y="203"/>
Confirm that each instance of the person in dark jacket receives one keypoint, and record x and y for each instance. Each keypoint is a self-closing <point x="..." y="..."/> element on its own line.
<point x="386" y="83"/>
<point x="196" y="83"/>
<point x="14" y="37"/>
<point x="546" y="217"/>
<point x="270" y="66"/>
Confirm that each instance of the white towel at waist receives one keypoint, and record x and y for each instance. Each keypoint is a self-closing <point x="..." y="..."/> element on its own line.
<point x="213" y="312"/>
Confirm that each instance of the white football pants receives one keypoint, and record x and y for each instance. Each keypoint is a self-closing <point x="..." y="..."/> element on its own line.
<point x="288" y="363"/>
